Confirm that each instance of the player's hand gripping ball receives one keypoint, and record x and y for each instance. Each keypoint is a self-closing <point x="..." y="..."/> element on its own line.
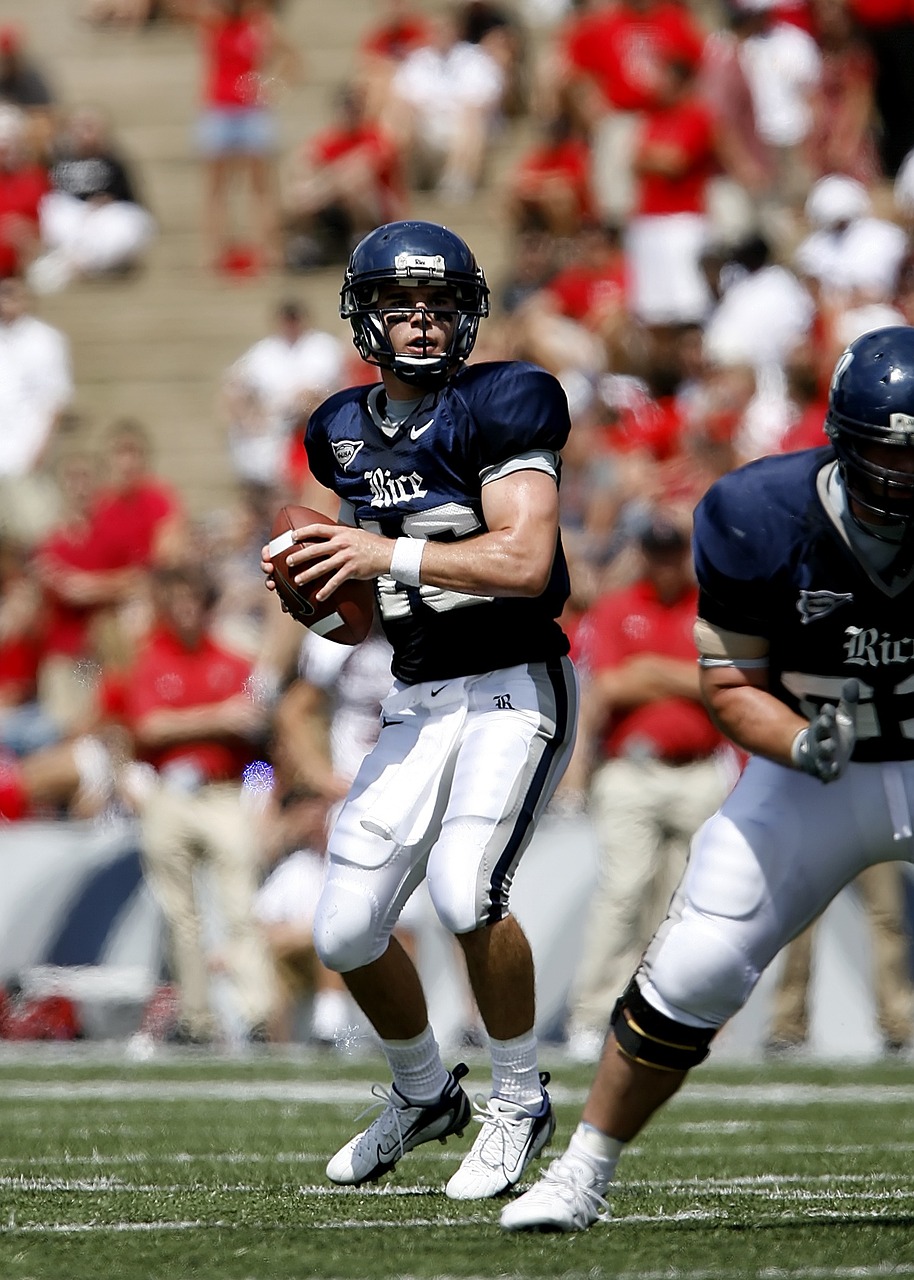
<point x="347" y="615"/>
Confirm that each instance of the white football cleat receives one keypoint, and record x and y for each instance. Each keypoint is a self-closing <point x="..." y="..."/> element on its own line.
<point x="568" y="1197"/>
<point x="401" y="1126"/>
<point x="509" y="1139"/>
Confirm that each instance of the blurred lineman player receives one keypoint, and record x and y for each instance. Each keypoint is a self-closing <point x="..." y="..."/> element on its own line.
<point x="805" y="564"/>
<point x="448" y="479"/>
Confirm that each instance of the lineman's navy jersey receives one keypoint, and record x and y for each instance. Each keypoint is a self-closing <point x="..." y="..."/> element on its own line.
<point x="426" y="481"/>
<point x="771" y="561"/>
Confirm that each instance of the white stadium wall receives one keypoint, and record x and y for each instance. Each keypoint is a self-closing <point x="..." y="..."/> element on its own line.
<point x="75" y="915"/>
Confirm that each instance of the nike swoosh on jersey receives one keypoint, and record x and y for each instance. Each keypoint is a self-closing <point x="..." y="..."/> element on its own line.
<point x="416" y="432"/>
<point x="435" y="692"/>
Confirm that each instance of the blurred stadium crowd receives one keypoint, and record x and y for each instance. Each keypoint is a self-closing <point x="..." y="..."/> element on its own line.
<point x="710" y="201"/>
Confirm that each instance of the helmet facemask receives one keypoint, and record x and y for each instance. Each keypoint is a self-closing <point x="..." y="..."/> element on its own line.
<point x="360" y="305"/>
<point x="876" y="489"/>
<point x="870" y="422"/>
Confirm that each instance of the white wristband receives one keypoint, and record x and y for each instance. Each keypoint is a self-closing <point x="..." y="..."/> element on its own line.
<point x="406" y="560"/>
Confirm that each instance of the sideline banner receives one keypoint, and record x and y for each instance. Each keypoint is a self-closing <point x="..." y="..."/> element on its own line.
<point x="73" y="894"/>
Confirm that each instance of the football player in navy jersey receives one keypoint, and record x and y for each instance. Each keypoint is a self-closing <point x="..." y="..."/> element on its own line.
<point x="805" y="564"/>
<point x="448" y="482"/>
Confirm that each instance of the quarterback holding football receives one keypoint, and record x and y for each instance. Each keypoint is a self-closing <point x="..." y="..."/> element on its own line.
<point x="447" y="476"/>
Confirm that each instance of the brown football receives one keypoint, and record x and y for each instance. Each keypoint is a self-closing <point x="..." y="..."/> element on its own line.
<point x="347" y="615"/>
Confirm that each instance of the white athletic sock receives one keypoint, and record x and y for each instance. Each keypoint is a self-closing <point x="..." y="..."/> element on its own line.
<point x="598" y="1150"/>
<point x="515" y="1076"/>
<point x="416" y="1067"/>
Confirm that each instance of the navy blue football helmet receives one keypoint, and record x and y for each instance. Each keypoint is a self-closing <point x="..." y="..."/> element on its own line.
<point x="413" y="253"/>
<point x="871" y="402"/>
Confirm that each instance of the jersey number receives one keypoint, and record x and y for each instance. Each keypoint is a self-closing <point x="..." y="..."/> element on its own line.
<point x="449" y="522"/>
<point x="812" y="691"/>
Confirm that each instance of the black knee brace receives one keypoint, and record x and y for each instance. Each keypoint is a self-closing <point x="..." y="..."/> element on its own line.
<point x="651" y="1038"/>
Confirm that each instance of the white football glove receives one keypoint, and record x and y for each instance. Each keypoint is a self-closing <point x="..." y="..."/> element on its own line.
<point x="824" y="747"/>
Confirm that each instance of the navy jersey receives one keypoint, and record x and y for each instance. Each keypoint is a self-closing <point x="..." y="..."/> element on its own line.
<point x="771" y="562"/>
<point x="425" y="481"/>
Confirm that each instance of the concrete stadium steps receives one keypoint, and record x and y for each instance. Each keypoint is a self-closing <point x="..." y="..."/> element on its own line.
<point x="155" y="346"/>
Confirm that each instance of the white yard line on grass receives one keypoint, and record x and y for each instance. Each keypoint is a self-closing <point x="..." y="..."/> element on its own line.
<point x="97" y="1160"/>
<point x="333" y="1092"/>
<point x="776" y="1188"/>
<point x="379" y="1224"/>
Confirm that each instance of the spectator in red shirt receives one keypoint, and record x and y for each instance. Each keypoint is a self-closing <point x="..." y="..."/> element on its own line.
<point x="243" y="48"/>
<point x="675" y="159"/>
<point x="649" y="758"/>
<point x="139" y="521"/>
<point x="549" y="189"/>
<point x="580" y="316"/>
<point x="80" y="586"/>
<point x="645" y="414"/>
<point x="594" y="284"/>
<point x="24" y="725"/>
<point x="611" y="63"/>
<point x="187" y="704"/>
<point x="23" y="183"/>
<point x="350" y="180"/>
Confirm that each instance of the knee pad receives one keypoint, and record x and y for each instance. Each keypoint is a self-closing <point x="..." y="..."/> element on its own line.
<point x="699" y="969"/>
<point x="459" y="889"/>
<point x="463" y="916"/>
<point x="651" y="1038"/>
<point x="346" y="929"/>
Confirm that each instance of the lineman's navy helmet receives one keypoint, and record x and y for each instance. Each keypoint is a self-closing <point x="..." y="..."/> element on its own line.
<point x="871" y="402"/>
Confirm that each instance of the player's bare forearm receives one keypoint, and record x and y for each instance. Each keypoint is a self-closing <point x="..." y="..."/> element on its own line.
<point x="513" y="557"/>
<point x="750" y="716"/>
<point x="494" y="563"/>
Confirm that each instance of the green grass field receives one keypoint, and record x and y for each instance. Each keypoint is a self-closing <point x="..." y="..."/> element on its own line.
<point x="214" y="1168"/>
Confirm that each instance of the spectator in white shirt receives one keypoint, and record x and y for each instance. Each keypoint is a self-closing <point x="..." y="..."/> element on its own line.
<point x="92" y="221"/>
<point x="444" y="101"/>
<point x="783" y="66"/>
<point x="36" y="387"/>
<point x="763" y="310"/>
<point x="762" y="315"/>
<point x="272" y="389"/>
<point x="851" y="257"/>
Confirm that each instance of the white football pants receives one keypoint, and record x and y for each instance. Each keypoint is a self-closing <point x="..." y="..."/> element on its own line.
<point x="452" y="790"/>
<point x="768" y="862"/>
